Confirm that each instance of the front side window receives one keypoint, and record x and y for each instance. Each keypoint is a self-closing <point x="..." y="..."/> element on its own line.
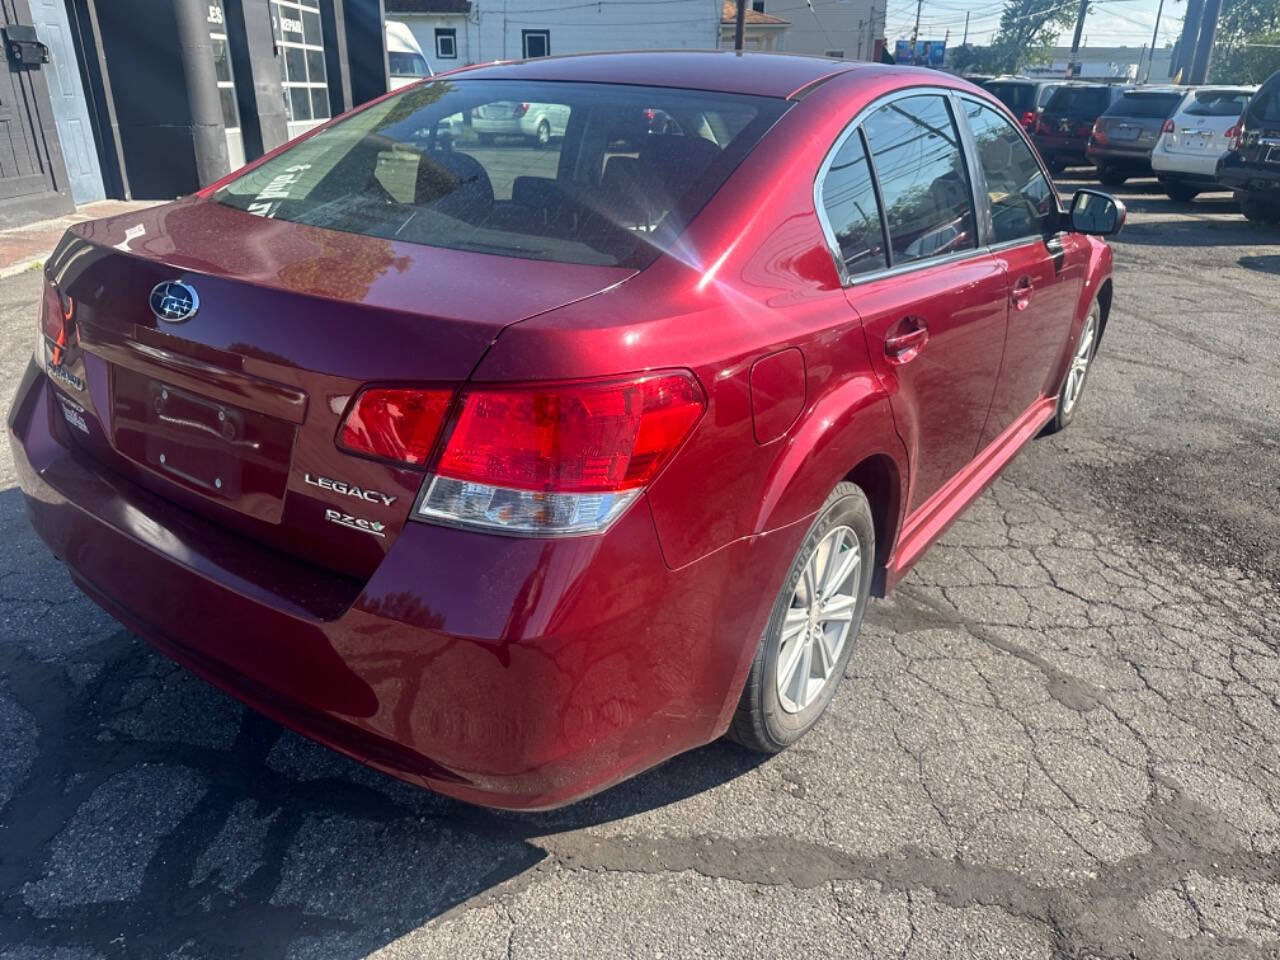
<point x="450" y="164"/>
<point x="1022" y="201"/>
<point x="849" y="201"/>
<point x="407" y="64"/>
<point x="928" y="202"/>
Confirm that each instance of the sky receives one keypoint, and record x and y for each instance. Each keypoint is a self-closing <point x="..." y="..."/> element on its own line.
<point x="1111" y="23"/>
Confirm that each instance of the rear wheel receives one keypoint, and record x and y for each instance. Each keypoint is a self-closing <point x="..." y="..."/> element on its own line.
<point x="1078" y="372"/>
<point x="543" y="135"/>
<point x="1182" y="192"/>
<point x="1257" y="209"/>
<point x="813" y="627"/>
<point x="1112" y="177"/>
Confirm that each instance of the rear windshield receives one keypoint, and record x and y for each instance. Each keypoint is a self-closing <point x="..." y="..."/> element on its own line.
<point x="1266" y="103"/>
<point x="1078" y="101"/>
<point x="1218" y="103"/>
<point x="573" y="172"/>
<point x="1018" y="97"/>
<point x="1146" y="105"/>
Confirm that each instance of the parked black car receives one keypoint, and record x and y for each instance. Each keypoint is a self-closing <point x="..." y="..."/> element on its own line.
<point x="1252" y="166"/>
<point x="1024" y="96"/>
<point x="1121" y="141"/>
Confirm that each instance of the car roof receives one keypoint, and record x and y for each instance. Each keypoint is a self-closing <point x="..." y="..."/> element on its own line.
<point x="722" y="71"/>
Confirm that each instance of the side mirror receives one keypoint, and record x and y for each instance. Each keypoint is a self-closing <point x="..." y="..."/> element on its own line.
<point x="1098" y="213"/>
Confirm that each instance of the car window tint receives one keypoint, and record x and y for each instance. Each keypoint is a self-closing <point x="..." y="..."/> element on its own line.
<point x="1218" y="103"/>
<point x="1265" y="105"/>
<point x="1016" y="96"/>
<point x="1150" y="106"/>
<point x="573" y="172"/>
<point x="1022" y="201"/>
<point x="849" y="200"/>
<point x="1078" y="101"/>
<point x="915" y="150"/>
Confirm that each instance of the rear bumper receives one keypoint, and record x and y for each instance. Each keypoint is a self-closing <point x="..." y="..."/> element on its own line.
<point x="1177" y="165"/>
<point x="1060" y="148"/>
<point x="1137" y="159"/>
<point x="509" y="672"/>
<point x="1235" y="173"/>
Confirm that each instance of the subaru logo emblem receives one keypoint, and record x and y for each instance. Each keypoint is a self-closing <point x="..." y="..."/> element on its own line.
<point x="174" y="301"/>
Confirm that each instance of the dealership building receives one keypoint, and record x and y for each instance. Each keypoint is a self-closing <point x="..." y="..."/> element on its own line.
<point x="151" y="99"/>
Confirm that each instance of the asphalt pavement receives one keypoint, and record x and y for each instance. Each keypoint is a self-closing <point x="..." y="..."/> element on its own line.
<point x="1058" y="738"/>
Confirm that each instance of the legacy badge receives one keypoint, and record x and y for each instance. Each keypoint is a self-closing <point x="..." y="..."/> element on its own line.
<point x="349" y="490"/>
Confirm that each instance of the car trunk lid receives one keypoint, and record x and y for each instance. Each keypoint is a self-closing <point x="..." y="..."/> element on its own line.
<point x="233" y="412"/>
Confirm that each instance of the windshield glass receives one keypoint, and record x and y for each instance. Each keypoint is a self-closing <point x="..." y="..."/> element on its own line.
<point x="1078" y="101"/>
<point x="575" y="172"/>
<point x="1218" y="103"/>
<point x="1150" y="106"/>
<point x="407" y="64"/>
<point x="1018" y="97"/>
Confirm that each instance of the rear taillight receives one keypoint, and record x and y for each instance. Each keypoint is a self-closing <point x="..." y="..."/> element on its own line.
<point x="1235" y="135"/>
<point x="57" y="327"/>
<point x="521" y="109"/>
<point x="1168" y="127"/>
<point x="557" y="458"/>
<point x="1029" y="119"/>
<point x="395" y="424"/>
<point x="1099" y="135"/>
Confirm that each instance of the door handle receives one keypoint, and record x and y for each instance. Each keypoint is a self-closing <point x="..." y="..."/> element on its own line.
<point x="905" y="344"/>
<point x="1021" y="293"/>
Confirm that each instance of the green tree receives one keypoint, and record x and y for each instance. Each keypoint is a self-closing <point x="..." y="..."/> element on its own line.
<point x="1247" y="48"/>
<point x="1027" y="33"/>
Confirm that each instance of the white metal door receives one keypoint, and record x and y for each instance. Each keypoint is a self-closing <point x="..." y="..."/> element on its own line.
<point x="70" y="112"/>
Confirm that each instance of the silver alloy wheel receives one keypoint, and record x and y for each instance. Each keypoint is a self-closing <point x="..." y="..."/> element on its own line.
<point x="1080" y="363"/>
<point x="817" y="623"/>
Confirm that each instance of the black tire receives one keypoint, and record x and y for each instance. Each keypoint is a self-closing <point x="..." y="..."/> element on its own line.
<point x="1258" y="210"/>
<point x="543" y="135"/>
<point x="761" y="722"/>
<point x="1181" y="192"/>
<point x="485" y="138"/>
<point x="1068" y="408"/>
<point x="1112" y="177"/>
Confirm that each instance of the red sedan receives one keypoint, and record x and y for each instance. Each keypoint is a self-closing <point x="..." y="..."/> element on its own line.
<point x="512" y="471"/>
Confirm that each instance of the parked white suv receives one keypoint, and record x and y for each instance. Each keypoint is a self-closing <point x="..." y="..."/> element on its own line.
<point x="1186" y="156"/>
<point x="538" y="122"/>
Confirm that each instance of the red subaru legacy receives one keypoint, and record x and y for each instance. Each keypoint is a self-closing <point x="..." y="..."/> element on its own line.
<point x="513" y="468"/>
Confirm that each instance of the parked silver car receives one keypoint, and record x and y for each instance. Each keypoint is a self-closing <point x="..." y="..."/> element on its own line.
<point x="538" y="122"/>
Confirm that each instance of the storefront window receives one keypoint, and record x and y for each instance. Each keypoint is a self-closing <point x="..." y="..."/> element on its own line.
<point x="226" y="84"/>
<point x="300" y="42"/>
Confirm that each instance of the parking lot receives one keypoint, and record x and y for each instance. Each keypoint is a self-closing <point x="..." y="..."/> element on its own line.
<point x="1058" y="739"/>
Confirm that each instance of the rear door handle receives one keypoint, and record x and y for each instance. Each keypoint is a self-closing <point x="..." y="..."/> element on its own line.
<point x="1021" y="293"/>
<point x="905" y="344"/>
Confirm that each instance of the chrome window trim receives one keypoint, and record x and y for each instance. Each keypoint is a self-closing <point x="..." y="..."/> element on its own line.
<point x="981" y="211"/>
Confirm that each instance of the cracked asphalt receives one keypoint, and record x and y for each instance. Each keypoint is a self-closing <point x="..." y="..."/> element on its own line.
<point x="1057" y="739"/>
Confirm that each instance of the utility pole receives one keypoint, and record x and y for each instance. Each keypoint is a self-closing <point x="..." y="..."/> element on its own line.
<point x="740" y="26"/>
<point x="1187" y="42"/>
<point x="1204" y="45"/>
<point x="965" y="41"/>
<point x="915" y="31"/>
<point x="1155" y="34"/>
<point x="1073" y="63"/>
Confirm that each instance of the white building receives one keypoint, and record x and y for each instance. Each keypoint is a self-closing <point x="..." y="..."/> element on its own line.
<point x="454" y="33"/>
<point x="1111" y="63"/>
<point x="847" y="29"/>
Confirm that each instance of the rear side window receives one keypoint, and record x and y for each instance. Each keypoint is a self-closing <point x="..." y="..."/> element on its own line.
<point x="579" y="173"/>
<point x="928" y="202"/>
<point x="849" y="201"/>
<point x="1022" y="201"/>
<point x="1217" y="103"/>
<point x="1079" y="101"/>
<point x="1147" y="106"/>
